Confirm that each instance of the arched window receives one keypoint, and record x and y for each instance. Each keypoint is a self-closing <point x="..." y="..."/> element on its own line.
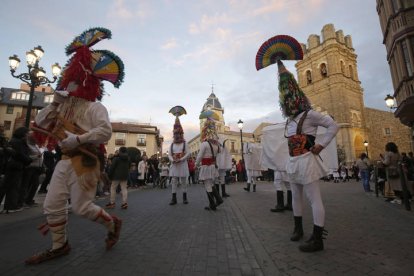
<point x="324" y="71"/>
<point x="351" y="72"/>
<point x="309" y="77"/>
<point x="342" y="67"/>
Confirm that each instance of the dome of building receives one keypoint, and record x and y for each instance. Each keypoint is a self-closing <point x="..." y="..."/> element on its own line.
<point x="212" y="103"/>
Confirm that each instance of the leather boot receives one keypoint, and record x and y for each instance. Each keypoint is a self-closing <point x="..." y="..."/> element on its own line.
<point x="185" y="198"/>
<point x="289" y="201"/>
<point x="247" y="188"/>
<point x="298" y="231"/>
<point x="223" y="190"/>
<point x="315" y="243"/>
<point x="216" y="193"/>
<point x="212" y="204"/>
<point x="279" y="202"/>
<point x="174" y="199"/>
<point x="254" y="187"/>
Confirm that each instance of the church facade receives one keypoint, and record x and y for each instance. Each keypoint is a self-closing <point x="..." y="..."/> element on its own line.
<point x="232" y="138"/>
<point x="328" y="75"/>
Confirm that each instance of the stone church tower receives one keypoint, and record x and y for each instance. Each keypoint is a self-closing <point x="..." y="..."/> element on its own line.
<point x="213" y="104"/>
<point x="329" y="77"/>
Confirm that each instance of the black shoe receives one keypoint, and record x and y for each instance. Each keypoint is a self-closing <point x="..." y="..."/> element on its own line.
<point x="315" y="243"/>
<point x="298" y="230"/>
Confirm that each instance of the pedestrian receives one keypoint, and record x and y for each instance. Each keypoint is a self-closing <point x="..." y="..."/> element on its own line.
<point x="304" y="167"/>
<point x="164" y="168"/>
<point x="133" y="176"/>
<point x="142" y="171"/>
<point x="178" y="155"/>
<point x="31" y="174"/>
<point x="363" y="164"/>
<point x="48" y="166"/>
<point x="390" y="160"/>
<point x="118" y="173"/>
<point x="18" y="160"/>
<point x="206" y="160"/>
<point x="81" y="124"/>
<point x="191" y="170"/>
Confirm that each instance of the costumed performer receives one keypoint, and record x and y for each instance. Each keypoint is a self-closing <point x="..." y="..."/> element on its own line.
<point x="81" y="125"/>
<point x="224" y="165"/>
<point x="304" y="167"/>
<point x="178" y="155"/>
<point x="206" y="160"/>
<point x="252" y="155"/>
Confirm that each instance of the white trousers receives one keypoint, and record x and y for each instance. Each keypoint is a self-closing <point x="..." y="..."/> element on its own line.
<point x="124" y="190"/>
<point x="250" y="179"/>
<point x="313" y="194"/>
<point x="64" y="185"/>
<point x="222" y="177"/>
<point x="183" y="182"/>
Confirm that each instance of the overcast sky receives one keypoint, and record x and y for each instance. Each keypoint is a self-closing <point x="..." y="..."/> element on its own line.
<point x="174" y="50"/>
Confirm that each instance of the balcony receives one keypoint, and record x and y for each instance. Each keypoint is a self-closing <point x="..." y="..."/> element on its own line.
<point x="141" y="144"/>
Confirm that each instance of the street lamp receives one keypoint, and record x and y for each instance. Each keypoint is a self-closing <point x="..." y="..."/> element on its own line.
<point x="366" y="146"/>
<point x="240" y="125"/>
<point x="390" y="101"/>
<point x="35" y="76"/>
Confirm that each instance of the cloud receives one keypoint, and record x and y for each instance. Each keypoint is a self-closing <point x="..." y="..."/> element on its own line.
<point x="208" y="23"/>
<point x="169" y="44"/>
<point x="121" y="11"/>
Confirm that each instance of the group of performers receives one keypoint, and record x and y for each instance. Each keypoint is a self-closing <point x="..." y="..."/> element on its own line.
<point x="80" y="124"/>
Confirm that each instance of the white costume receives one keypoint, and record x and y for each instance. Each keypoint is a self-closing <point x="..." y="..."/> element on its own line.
<point x="208" y="171"/>
<point x="252" y="156"/>
<point x="179" y="170"/>
<point x="224" y="165"/>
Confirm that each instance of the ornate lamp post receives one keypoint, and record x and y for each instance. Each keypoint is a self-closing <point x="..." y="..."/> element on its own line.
<point x="390" y="101"/>
<point x="366" y="146"/>
<point x="35" y="76"/>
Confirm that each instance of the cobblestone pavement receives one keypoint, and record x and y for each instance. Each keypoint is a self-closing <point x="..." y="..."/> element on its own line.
<point x="367" y="236"/>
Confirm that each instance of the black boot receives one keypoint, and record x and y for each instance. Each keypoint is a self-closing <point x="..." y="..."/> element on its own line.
<point x="289" y="201"/>
<point x="315" y="243"/>
<point x="174" y="199"/>
<point x="216" y="193"/>
<point x="212" y="204"/>
<point x="298" y="231"/>
<point x="280" y="202"/>
<point x="247" y="188"/>
<point x="223" y="190"/>
<point x="185" y="198"/>
<point x="254" y="187"/>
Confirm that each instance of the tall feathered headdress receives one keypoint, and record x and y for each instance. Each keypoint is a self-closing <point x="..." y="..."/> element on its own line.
<point x="209" y="130"/>
<point x="178" y="132"/>
<point x="86" y="68"/>
<point x="292" y="100"/>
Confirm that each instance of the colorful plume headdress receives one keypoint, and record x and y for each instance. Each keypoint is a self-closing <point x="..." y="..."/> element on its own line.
<point x="292" y="99"/>
<point x="86" y="68"/>
<point x="178" y="132"/>
<point x="209" y="130"/>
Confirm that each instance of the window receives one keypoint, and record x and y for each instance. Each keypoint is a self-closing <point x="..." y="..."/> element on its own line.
<point x="342" y="67"/>
<point x="120" y="138"/>
<point x="232" y="147"/>
<point x="10" y="109"/>
<point x="309" y="77"/>
<point x="7" y="125"/>
<point x="387" y="131"/>
<point x="351" y="72"/>
<point x="48" y="99"/>
<point x="406" y="58"/>
<point x="394" y="5"/>
<point x="20" y="96"/>
<point x="324" y="71"/>
<point x="141" y="139"/>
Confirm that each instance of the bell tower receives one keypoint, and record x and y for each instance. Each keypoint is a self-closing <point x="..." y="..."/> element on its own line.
<point x="329" y="77"/>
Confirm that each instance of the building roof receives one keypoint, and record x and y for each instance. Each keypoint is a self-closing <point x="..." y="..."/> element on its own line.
<point x="134" y="128"/>
<point x="212" y="102"/>
<point x="38" y="98"/>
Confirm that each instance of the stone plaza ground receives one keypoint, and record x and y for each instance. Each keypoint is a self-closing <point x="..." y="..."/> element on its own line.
<point x="367" y="236"/>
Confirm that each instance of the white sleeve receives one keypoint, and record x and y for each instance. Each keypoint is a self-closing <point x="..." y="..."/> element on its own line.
<point x="101" y="129"/>
<point x="42" y="119"/>
<point x="170" y="153"/>
<point x="186" y="153"/>
<point x="319" y="119"/>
